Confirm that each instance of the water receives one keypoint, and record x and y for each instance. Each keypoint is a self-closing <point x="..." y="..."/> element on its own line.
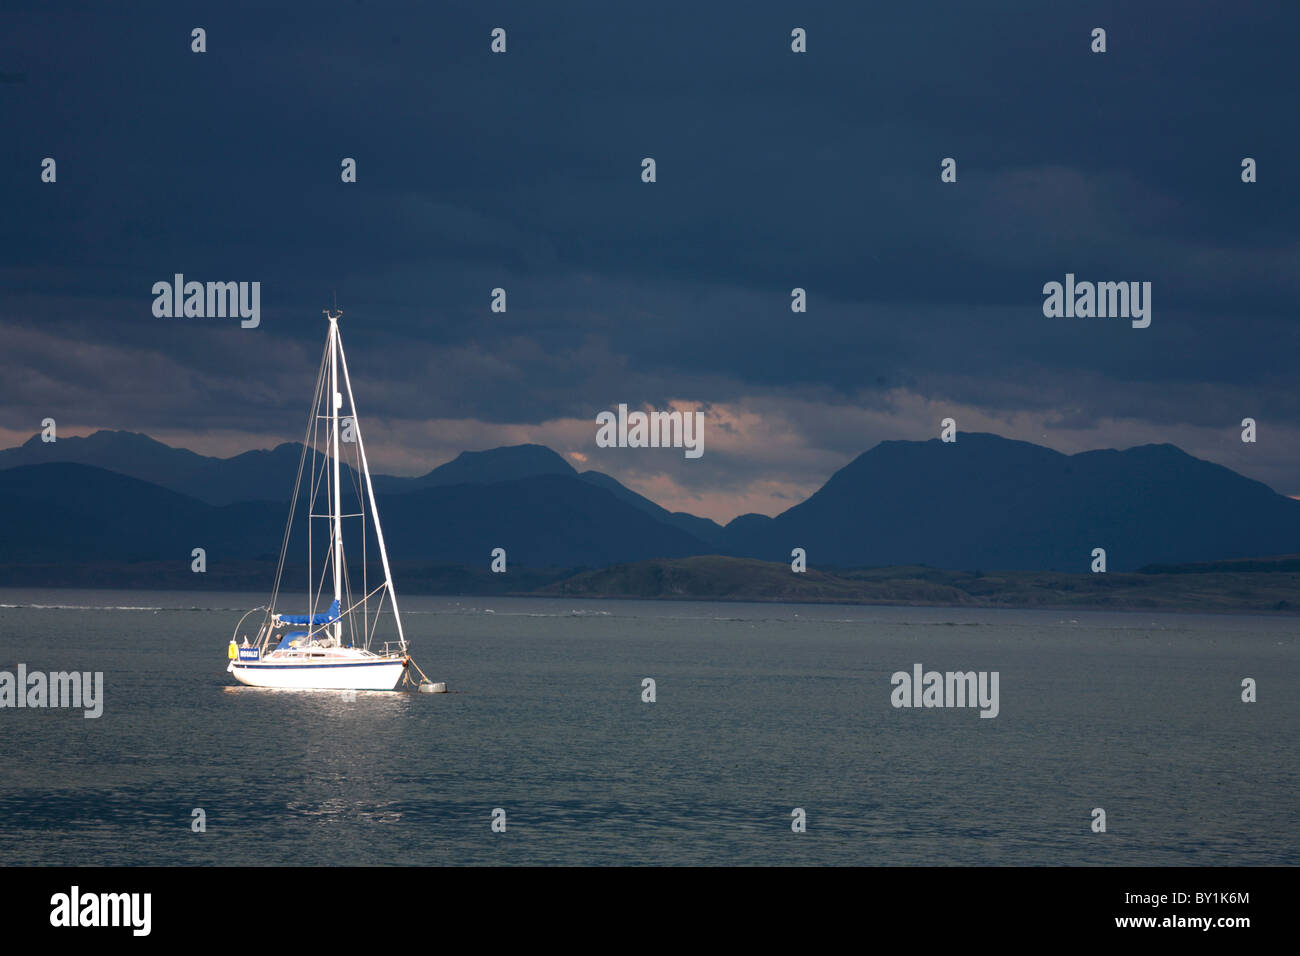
<point x="760" y="709"/>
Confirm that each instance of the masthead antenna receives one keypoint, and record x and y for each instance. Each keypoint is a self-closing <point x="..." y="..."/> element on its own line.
<point x="335" y="313"/>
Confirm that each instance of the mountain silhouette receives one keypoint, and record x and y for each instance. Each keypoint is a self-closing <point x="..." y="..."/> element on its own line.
<point x="268" y="475"/>
<point x="987" y="502"/>
<point x="983" y="502"/>
<point x="65" y="512"/>
<point x="484" y="467"/>
<point x="252" y="476"/>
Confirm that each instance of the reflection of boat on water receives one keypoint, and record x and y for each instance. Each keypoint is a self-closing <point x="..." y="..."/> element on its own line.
<point x="332" y="648"/>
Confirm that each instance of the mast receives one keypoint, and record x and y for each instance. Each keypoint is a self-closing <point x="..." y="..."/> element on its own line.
<point x="336" y="400"/>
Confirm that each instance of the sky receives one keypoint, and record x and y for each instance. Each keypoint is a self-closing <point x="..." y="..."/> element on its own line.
<point x="775" y="170"/>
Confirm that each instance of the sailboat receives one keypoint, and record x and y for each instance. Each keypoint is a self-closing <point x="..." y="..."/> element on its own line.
<point x="331" y="645"/>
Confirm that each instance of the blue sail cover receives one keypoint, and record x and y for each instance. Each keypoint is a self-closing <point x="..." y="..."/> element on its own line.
<point x="289" y="639"/>
<point x="329" y="617"/>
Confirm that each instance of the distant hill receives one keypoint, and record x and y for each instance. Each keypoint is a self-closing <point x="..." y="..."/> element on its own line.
<point x="982" y="503"/>
<point x="993" y="503"/>
<point x="268" y="475"/>
<point x="719" y="578"/>
<point x="71" y="513"/>
<point x="540" y="520"/>
<point x="702" y="528"/>
<point x="252" y="476"/>
<point x="483" y="467"/>
<point x="1274" y="564"/>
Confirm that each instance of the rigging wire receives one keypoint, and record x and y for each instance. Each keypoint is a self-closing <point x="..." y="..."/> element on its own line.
<point x="288" y="525"/>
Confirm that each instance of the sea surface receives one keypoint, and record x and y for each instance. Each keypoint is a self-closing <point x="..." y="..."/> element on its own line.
<point x="760" y="709"/>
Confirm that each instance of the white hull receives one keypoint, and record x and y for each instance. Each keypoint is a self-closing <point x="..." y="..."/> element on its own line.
<point x="380" y="674"/>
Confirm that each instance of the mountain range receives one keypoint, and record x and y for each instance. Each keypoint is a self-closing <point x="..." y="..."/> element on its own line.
<point x="982" y="502"/>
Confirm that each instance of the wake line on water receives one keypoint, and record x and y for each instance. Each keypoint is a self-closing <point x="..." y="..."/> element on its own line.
<point x="93" y="607"/>
<point x="128" y="607"/>
<point x="573" y="613"/>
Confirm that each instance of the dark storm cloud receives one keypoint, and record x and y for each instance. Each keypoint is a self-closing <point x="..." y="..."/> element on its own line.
<point x="775" y="171"/>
